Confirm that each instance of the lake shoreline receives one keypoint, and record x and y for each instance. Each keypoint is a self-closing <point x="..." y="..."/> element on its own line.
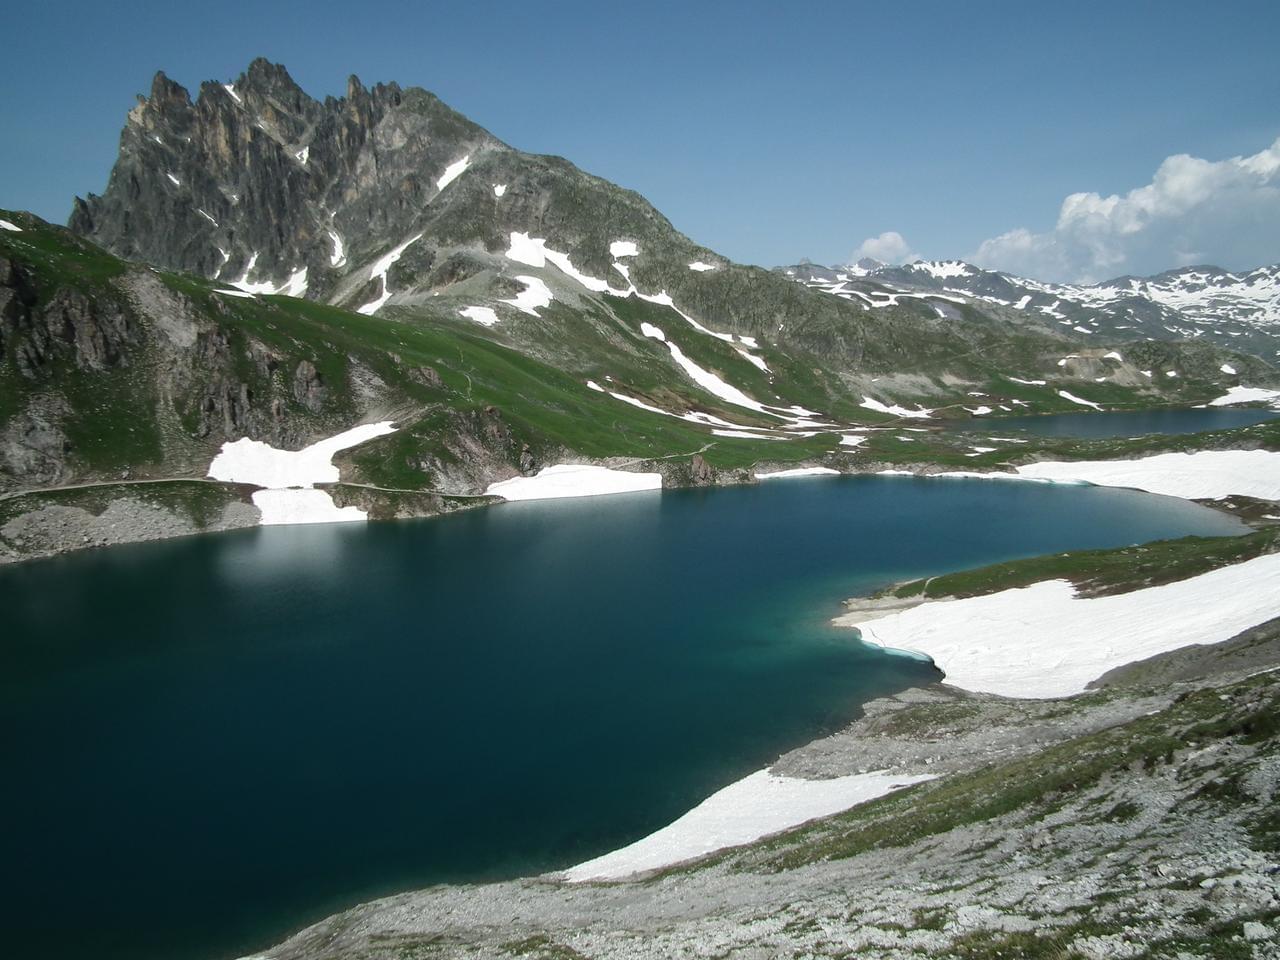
<point x="134" y="514"/>
<point x="866" y="615"/>
<point x="1055" y="861"/>
<point x="723" y="813"/>
<point x="247" y="478"/>
<point x="991" y="501"/>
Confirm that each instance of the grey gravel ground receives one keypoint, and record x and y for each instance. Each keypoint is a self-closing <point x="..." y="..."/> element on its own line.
<point x="55" y="529"/>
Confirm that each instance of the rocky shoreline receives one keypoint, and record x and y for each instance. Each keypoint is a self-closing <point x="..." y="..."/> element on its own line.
<point x="58" y="520"/>
<point x="1143" y="858"/>
<point x="51" y="528"/>
<point x="35" y="524"/>
<point x="46" y="524"/>
<point x="1124" y="823"/>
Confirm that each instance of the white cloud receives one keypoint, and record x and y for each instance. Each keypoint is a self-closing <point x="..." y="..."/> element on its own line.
<point x="889" y="247"/>
<point x="1223" y="212"/>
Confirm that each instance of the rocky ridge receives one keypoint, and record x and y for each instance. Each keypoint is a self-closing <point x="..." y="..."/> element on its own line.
<point x="1239" y="311"/>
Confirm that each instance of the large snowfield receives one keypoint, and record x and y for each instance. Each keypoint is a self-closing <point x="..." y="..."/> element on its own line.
<point x="1204" y="475"/>
<point x="1044" y="641"/>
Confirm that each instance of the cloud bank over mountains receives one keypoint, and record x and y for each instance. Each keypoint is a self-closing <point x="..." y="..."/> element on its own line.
<point x="1194" y="211"/>
<point x="1224" y="212"/>
<point x="889" y="247"/>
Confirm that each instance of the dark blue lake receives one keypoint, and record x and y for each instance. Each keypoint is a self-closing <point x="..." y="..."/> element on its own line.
<point x="1125" y="423"/>
<point x="210" y="742"/>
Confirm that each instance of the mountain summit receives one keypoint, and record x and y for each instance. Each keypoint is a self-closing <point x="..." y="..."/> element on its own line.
<point x="257" y="184"/>
<point x="386" y="201"/>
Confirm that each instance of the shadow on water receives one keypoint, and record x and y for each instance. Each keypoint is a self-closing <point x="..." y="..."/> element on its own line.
<point x="209" y="742"/>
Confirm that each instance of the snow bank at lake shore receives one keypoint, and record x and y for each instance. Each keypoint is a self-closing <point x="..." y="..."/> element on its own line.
<point x="1043" y="641"/>
<point x="280" y="507"/>
<point x="1236" y="395"/>
<point x="252" y="461"/>
<point x="289" y="476"/>
<point x="798" y="472"/>
<point x="1206" y="474"/>
<point x="748" y="809"/>
<point x="574" y="480"/>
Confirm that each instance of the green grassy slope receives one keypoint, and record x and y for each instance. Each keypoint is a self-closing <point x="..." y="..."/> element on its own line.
<point x="116" y="367"/>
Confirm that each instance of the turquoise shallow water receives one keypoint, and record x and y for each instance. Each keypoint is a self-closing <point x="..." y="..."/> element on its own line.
<point x="210" y="742"/>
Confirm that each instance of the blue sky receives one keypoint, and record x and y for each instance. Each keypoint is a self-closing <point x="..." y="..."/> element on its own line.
<point x="766" y="131"/>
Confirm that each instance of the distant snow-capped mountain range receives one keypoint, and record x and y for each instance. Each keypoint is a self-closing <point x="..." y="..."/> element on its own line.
<point x="1236" y="310"/>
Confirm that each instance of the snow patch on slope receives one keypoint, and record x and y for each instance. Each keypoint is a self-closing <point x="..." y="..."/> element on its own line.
<point x="534" y="295"/>
<point x="252" y="461"/>
<point x="379" y="270"/>
<point x="289" y="475"/>
<point x="897" y="411"/>
<point x="295" y="286"/>
<point x="942" y="269"/>
<point x="573" y="480"/>
<point x="453" y="171"/>
<point x="339" y="255"/>
<point x="280" y="507"/>
<point x="1080" y="400"/>
<point x="481" y="315"/>
<point x="755" y="806"/>
<point x="704" y="378"/>
<point x="533" y="252"/>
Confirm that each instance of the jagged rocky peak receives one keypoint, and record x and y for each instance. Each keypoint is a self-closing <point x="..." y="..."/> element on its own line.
<point x="255" y="179"/>
<point x="257" y="184"/>
<point x="867" y="264"/>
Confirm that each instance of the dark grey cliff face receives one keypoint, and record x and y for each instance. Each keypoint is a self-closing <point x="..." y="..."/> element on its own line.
<point x="259" y="169"/>
<point x="255" y="181"/>
<point x="386" y="201"/>
<point x="89" y="333"/>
